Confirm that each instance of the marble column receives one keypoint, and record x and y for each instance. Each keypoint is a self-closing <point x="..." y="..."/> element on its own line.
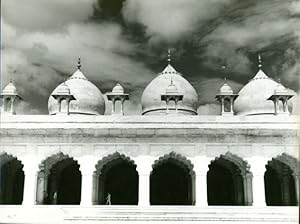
<point x="201" y="169"/>
<point x="87" y="168"/>
<point x="31" y="168"/>
<point x="258" y="168"/>
<point x="296" y="178"/>
<point x="144" y="168"/>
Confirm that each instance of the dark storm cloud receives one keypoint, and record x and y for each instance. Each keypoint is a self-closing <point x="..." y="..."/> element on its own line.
<point x="126" y="41"/>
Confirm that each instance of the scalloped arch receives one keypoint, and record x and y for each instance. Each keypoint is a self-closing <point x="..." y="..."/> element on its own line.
<point x="242" y="165"/>
<point x="50" y="161"/>
<point x="111" y="159"/>
<point x="5" y="157"/>
<point x="287" y="160"/>
<point x="182" y="161"/>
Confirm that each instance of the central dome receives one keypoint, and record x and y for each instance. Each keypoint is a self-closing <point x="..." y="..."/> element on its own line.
<point x="151" y="98"/>
<point x="88" y="98"/>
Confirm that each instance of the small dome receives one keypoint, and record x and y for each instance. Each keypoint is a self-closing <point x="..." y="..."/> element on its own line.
<point x="225" y="89"/>
<point x="62" y="89"/>
<point x="88" y="98"/>
<point x="253" y="97"/>
<point x="118" y="89"/>
<point x="151" y="98"/>
<point x="171" y="89"/>
<point x="9" y="89"/>
<point x="280" y="90"/>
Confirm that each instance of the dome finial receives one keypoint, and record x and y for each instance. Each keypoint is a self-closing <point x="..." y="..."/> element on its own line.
<point x="169" y="56"/>
<point x="259" y="61"/>
<point x="79" y="63"/>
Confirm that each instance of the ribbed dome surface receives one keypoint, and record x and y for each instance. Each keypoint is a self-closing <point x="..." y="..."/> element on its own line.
<point x="151" y="98"/>
<point x="88" y="98"/>
<point x="253" y="96"/>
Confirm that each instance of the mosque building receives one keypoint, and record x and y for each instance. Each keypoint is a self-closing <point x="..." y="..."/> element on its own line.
<point x="77" y="165"/>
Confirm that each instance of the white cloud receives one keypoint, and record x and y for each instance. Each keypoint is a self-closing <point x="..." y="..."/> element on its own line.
<point x="45" y="14"/>
<point x="170" y="20"/>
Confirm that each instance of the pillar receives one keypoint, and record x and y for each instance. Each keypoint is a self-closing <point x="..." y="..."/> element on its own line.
<point x="12" y="109"/>
<point x="68" y="105"/>
<point x="296" y="178"/>
<point x="231" y="104"/>
<point x="201" y="169"/>
<point x="258" y="168"/>
<point x="276" y="106"/>
<point x="247" y="180"/>
<point x="31" y="167"/>
<point x="144" y="167"/>
<point x="87" y="168"/>
<point x="122" y="106"/>
<point x="285" y="184"/>
<point x="167" y="102"/>
<point x="222" y="106"/>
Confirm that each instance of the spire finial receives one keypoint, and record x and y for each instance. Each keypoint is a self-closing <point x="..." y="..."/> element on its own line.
<point x="259" y="61"/>
<point x="79" y="63"/>
<point x="169" y="56"/>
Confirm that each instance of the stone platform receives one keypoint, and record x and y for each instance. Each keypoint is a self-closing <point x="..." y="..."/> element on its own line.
<point x="55" y="214"/>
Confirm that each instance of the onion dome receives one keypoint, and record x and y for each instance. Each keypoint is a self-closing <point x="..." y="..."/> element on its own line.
<point x="171" y="89"/>
<point x="225" y="89"/>
<point x="88" y="98"/>
<point x="253" y="97"/>
<point x="10" y="89"/>
<point x="62" y="89"/>
<point x="118" y="89"/>
<point x="151" y="98"/>
<point x="281" y="90"/>
<point x="117" y="93"/>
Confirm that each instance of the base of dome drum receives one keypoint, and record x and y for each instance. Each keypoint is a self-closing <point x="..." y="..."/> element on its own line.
<point x="170" y="111"/>
<point x="50" y="214"/>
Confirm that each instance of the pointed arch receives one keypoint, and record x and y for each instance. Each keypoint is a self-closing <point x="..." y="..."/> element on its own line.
<point x="59" y="180"/>
<point x="11" y="179"/>
<point x="116" y="175"/>
<point x="172" y="181"/>
<point x="282" y="181"/>
<point x="229" y="181"/>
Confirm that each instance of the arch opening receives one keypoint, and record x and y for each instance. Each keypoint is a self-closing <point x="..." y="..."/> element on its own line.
<point x="116" y="175"/>
<point x="227" y="105"/>
<point x="63" y="106"/>
<point x="11" y="180"/>
<point x="7" y="104"/>
<point x="172" y="181"/>
<point x="281" y="181"/>
<point x="229" y="181"/>
<point x="59" y="181"/>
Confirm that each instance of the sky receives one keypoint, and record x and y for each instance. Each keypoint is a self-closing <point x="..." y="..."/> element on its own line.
<point x="126" y="41"/>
